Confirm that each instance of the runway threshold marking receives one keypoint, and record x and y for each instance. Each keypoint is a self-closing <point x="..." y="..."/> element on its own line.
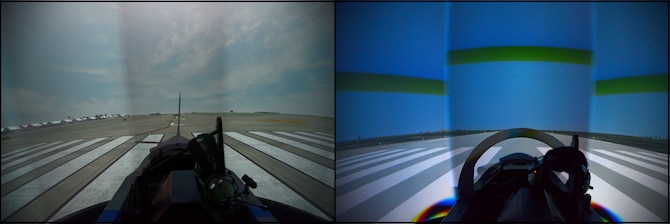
<point x="622" y="205"/>
<point x="32" y="166"/>
<point x="316" y="136"/>
<point x="352" y="198"/>
<point x="343" y="169"/>
<point x="657" y="155"/>
<point x="655" y="168"/>
<point x="268" y="186"/>
<point x="327" y="144"/>
<point x="29" y="151"/>
<point x="637" y="176"/>
<point x="20" y="150"/>
<point x="364" y="156"/>
<point x="299" y="145"/>
<point x="439" y="189"/>
<point x="26" y="193"/>
<point x="329" y="135"/>
<point x="103" y="187"/>
<point x="311" y="168"/>
<point x="354" y="176"/>
<point x="42" y="152"/>
<point x="614" y="199"/>
<point x="648" y="158"/>
<point x="619" y="203"/>
<point x="661" y="154"/>
<point x="87" y="196"/>
<point x="485" y="159"/>
<point x="296" y="201"/>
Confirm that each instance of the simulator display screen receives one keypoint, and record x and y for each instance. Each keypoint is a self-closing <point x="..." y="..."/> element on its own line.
<point x="419" y="85"/>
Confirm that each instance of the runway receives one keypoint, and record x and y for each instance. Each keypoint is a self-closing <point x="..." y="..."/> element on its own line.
<point x="400" y="182"/>
<point x="48" y="174"/>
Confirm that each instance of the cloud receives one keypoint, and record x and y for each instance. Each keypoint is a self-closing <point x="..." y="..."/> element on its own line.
<point x="138" y="56"/>
<point x="111" y="74"/>
<point x="111" y="55"/>
<point x="30" y="105"/>
<point x="88" y="71"/>
<point x="278" y="58"/>
<point x="187" y="32"/>
<point x="29" y="100"/>
<point x="112" y="105"/>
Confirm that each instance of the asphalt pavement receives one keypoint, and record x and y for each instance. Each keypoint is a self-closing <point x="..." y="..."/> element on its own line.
<point x="51" y="172"/>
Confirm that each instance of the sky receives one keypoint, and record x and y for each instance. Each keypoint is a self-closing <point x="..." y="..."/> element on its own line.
<point x="84" y="59"/>
<point x="382" y="38"/>
<point x="419" y="40"/>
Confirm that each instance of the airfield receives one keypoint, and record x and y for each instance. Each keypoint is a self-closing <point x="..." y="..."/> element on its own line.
<point x="51" y="172"/>
<point x="403" y="178"/>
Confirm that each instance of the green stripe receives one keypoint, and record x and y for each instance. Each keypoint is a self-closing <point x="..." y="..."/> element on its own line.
<point x="519" y="53"/>
<point x="635" y="84"/>
<point x="366" y="82"/>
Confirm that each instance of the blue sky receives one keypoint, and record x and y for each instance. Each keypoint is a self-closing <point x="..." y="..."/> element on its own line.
<point x="83" y="59"/>
<point x="552" y="24"/>
<point x="382" y="38"/>
<point x="413" y="39"/>
<point x="632" y="40"/>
